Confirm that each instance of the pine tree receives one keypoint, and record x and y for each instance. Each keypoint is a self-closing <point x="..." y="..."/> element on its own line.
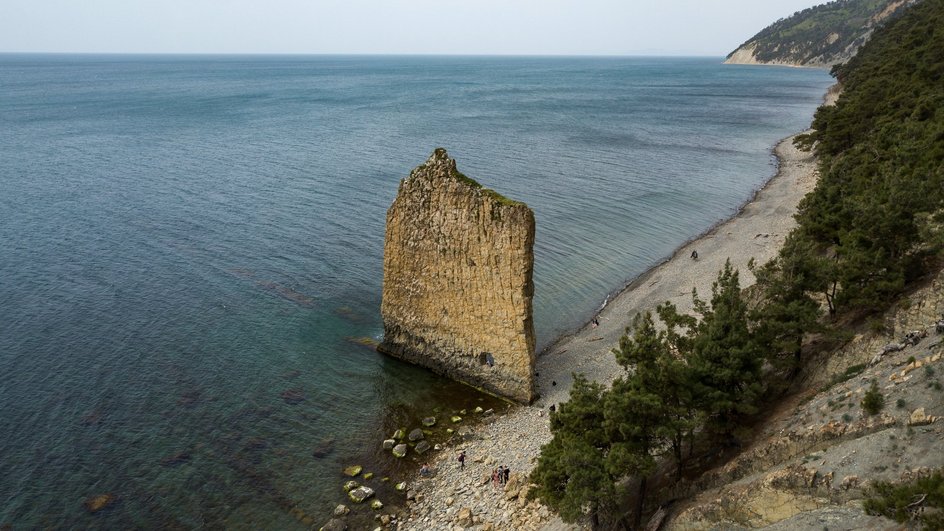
<point x="572" y="474"/>
<point x="726" y="361"/>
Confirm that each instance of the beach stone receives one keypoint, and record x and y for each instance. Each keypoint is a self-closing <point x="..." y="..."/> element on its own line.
<point x="422" y="447"/>
<point x="449" y="501"/>
<point x="341" y="510"/>
<point x="350" y="485"/>
<point x="400" y="450"/>
<point x="334" y="524"/>
<point x="455" y="418"/>
<point x="388" y="444"/>
<point x="360" y="494"/>
<point x="416" y="435"/>
<point x="401" y="486"/>
<point x="376" y="505"/>
<point x="353" y="470"/>
<point x="478" y="409"/>
<point x="464" y="517"/>
<point x="99" y="502"/>
<point x="429" y="421"/>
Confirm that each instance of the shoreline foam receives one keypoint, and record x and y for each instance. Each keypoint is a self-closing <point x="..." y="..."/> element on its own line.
<point x="756" y="231"/>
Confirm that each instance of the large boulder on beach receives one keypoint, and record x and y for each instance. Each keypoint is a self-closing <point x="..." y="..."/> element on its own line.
<point x="457" y="286"/>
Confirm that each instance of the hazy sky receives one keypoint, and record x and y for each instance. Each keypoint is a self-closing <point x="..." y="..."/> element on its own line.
<point x="551" y="27"/>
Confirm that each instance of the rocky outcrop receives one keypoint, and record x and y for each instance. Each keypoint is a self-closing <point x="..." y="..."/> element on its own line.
<point x="457" y="289"/>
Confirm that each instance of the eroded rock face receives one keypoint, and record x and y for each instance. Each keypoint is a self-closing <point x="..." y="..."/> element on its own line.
<point x="458" y="260"/>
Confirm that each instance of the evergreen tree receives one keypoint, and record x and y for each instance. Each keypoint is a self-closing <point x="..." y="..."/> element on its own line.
<point x="785" y="314"/>
<point x="726" y="360"/>
<point x="572" y="474"/>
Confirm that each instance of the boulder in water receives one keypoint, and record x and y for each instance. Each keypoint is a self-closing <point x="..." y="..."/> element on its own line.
<point x="376" y="505"/>
<point x="176" y="459"/>
<point x="350" y="485"/>
<point x="422" y="447"/>
<point x="353" y="470"/>
<point x="416" y="435"/>
<point x="341" y="510"/>
<point x="335" y="524"/>
<point x="400" y="450"/>
<point x="389" y="443"/>
<point x="360" y="494"/>
<point x="429" y="421"/>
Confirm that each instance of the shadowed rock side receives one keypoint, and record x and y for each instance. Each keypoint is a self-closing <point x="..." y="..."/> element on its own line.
<point x="457" y="289"/>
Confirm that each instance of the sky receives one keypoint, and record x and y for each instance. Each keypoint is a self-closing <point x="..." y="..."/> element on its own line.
<point x="473" y="27"/>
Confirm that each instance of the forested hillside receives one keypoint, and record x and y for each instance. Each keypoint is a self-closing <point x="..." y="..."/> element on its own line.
<point x="824" y="35"/>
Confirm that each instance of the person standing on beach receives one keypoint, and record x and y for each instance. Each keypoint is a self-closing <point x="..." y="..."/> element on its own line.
<point x="507" y="473"/>
<point x="462" y="459"/>
<point x="495" y="478"/>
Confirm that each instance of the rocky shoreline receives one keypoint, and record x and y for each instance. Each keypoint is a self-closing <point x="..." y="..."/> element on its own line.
<point x="462" y="498"/>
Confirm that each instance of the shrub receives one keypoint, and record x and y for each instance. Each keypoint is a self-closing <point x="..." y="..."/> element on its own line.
<point x="873" y="401"/>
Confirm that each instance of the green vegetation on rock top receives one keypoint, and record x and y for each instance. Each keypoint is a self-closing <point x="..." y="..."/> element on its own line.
<point x="822" y="35"/>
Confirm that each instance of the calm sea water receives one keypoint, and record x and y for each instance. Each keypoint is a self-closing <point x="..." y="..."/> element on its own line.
<point x="191" y="248"/>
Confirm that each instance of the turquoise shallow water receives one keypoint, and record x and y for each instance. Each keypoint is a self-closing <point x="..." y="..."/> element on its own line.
<point x="191" y="246"/>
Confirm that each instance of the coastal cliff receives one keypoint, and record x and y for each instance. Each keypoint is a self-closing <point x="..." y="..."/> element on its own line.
<point x="457" y="287"/>
<point x="819" y="36"/>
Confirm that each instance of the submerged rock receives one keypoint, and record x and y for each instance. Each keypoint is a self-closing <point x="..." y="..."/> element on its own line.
<point x="376" y="505"/>
<point x="334" y="524"/>
<point x="293" y="396"/>
<point x="99" y="502"/>
<point x="323" y="448"/>
<point x="353" y="470"/>
<point x="176" y="459"/>
<point x="341" y="510"/>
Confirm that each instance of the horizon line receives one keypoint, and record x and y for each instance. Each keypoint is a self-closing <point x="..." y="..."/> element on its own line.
<point x="360" y="54"/>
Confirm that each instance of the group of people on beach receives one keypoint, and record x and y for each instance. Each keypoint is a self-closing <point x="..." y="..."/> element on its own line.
<point x="500" y="475"/>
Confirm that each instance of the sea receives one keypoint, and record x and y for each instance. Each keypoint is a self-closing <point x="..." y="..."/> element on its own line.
<point x="191" y="254"/>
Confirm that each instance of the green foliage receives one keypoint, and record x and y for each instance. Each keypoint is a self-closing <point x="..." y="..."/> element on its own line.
<point x="909" y="502"/>
<point x="851" y="372"/>
<point x="572" y="476"/>
<point x="726" y="359"/>
<point x="824" y="31"/>
<point x="874" y="400"/>
<point x="875" y="215"/>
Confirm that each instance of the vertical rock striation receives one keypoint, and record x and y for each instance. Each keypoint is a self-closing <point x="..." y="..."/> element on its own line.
<point x="457" y="287"/>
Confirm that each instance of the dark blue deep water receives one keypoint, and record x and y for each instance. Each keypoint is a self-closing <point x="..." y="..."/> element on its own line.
<point x="191" y="248"/>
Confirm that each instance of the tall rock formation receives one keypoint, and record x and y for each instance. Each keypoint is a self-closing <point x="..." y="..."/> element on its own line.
<point x="457" y="287"/>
